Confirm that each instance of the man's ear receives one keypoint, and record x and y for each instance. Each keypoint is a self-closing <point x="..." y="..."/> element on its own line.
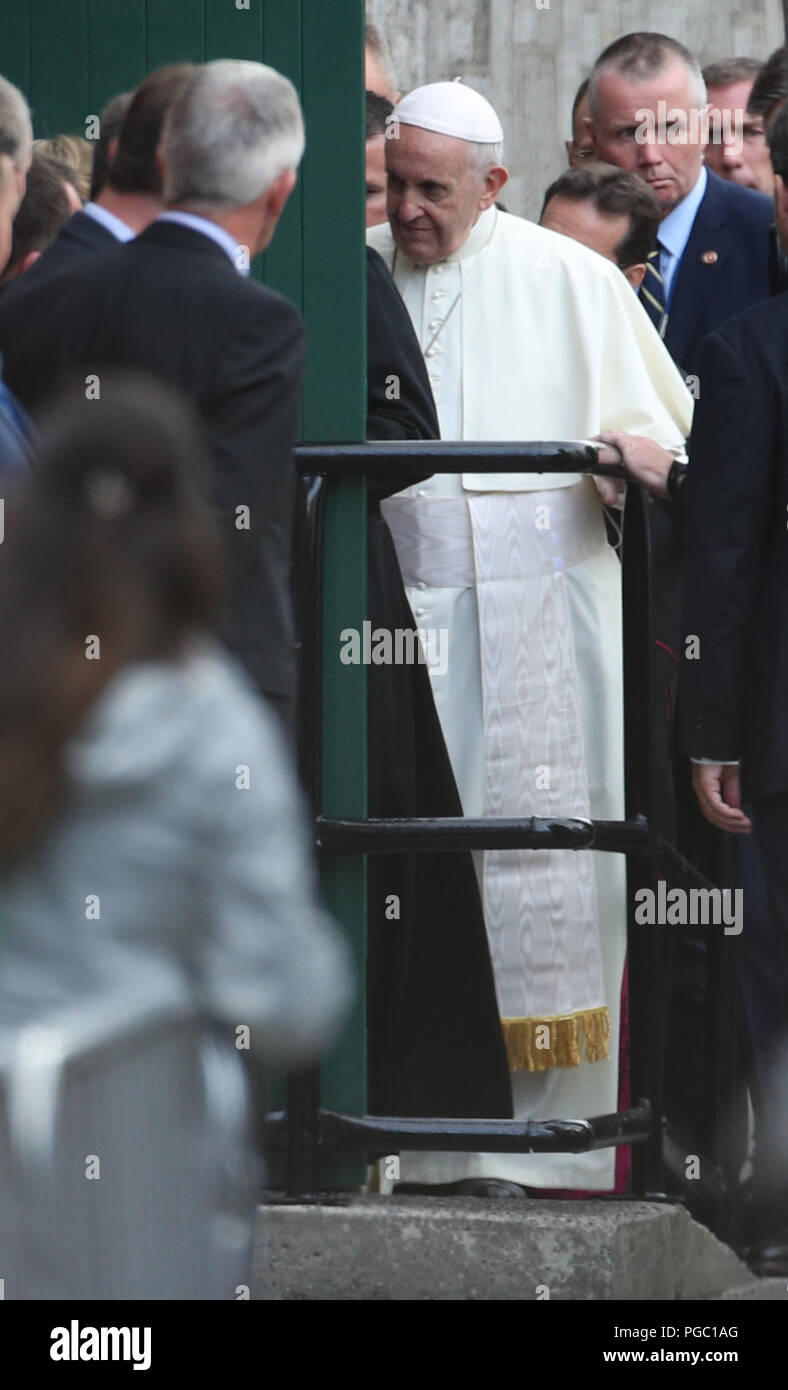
<point x="27" y="261"/>
<point x="494" y="181"/>
<point x="635" y="274"/>
<point x="589" y="125"/>
<point x="279" y="192"/>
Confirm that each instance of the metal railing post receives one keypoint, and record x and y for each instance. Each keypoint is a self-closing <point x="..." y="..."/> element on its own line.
<point x="645" y="950"/>
<point x="344" y="790"/>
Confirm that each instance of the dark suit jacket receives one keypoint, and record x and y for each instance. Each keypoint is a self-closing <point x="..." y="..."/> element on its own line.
<point x="734" y="223"/>
<point x="78" y="241"/>
<point x="16" y="434"/>
<point x="172" y="303"/>
<point x="734" y="697"/>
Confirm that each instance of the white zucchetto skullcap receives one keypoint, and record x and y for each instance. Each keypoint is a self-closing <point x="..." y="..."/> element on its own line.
<point x="451" y="108"/>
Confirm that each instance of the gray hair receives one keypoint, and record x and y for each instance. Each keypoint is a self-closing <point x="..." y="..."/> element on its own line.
<point x="730" y="70"/>
<point x="234" y="128"/>
<point x="376" y="43"/>
<point x="484" y="156"/>
<point x="16" y="128"/>
<point x="642" y="55"/>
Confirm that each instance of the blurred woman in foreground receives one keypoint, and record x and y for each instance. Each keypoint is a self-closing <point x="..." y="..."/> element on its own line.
<point x="153" y="858"/>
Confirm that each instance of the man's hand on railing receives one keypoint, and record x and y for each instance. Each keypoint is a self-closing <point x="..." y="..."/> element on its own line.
<point x="645" y="461"/>
<point x="611" y="490"/>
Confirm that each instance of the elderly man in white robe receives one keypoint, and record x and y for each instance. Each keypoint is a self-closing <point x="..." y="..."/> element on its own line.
<point x="527" y="335"/>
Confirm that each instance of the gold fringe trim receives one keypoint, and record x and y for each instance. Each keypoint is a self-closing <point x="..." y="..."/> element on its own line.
<point x="539" y="1044"/>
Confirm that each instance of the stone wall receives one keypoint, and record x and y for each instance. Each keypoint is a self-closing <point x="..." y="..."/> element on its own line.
<point x="529" y="56"/>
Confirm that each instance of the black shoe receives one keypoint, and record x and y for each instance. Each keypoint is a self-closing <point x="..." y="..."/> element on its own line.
<point x="768" y="1259"/>
<point x="764" y="1229"/>
<point x="467" y="1187"/>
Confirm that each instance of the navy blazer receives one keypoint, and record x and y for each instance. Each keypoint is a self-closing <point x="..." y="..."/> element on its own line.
<point x="172" y="303"/>
<point x="733" y="687"/>
<point x="726" y="267"/>
<point x="79" y="240"/>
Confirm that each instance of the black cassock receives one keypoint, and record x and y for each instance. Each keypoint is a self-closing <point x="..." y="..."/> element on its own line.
<point x="435" y="1040"/>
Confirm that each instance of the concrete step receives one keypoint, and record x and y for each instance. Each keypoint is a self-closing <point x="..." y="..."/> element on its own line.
<point x="446" y="1248"/>
<point x="762" y="1291"/>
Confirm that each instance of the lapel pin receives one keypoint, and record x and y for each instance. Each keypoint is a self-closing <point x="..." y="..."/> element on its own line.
<point x="709" y="257"/>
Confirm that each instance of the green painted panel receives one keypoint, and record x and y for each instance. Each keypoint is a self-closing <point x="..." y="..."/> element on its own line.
<point x="16" y="44"/>
<point x="344" y="881"/>
<point x="234" y="33"/>
<point x="57" y="90"/>
<point x="175" y="32"/>
<point x="333" y="221"/>
<point x="334" y="304"/>
<point x="116" y="49"/>
<point x="282" y="265"/>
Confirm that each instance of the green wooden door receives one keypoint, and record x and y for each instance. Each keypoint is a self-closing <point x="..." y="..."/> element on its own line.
<point x="69" y="57"/>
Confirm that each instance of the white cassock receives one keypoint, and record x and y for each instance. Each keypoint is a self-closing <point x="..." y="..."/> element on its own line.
<point x="528" y="335"/>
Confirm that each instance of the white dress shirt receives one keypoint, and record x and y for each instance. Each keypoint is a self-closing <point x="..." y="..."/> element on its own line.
<point x="119" y="229"/>
<point x="675" y="232"/>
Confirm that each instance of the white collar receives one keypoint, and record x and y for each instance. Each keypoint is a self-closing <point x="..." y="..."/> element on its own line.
<point x="479" y="236"/>
<point x="119" y="229"/>
<point x="674" y="231"/>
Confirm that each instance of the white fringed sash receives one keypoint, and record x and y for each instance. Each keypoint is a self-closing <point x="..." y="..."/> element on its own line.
<point x="540" y="906"/>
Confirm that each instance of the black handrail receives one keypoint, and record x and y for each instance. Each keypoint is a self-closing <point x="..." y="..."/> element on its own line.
<point x="305" y="1130"/>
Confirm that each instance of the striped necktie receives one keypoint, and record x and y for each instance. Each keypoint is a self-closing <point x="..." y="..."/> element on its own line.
<point x="652" y="293"/>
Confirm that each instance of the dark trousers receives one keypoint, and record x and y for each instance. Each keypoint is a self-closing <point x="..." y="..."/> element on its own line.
<point x="764" y="974"/>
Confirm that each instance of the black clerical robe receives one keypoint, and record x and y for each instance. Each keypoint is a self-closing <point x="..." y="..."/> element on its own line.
<point x="435" y="1040"/>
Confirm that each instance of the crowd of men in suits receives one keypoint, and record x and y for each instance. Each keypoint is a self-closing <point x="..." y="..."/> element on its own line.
<point x="712" y="285"/>
<point x="191" y="174"/>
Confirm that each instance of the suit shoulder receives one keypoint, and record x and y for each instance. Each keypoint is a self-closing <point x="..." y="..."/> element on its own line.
<point x="765" y="322"/>
<point x="25" y="298"/>
<point x="757" y="338"/>
<point x="259" y="299"/>
<point x="744" y="205"/>
<point x="213" y="281"/>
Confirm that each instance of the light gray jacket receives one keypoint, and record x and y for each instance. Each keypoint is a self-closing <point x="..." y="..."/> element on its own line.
<point x="178" y="871"/>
